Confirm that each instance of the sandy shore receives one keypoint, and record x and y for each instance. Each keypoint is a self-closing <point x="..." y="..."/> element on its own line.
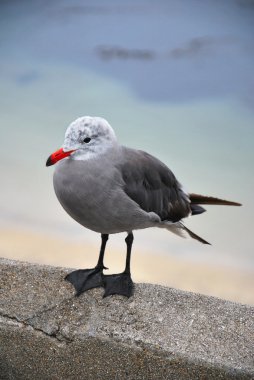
<point x="227" y="283"/>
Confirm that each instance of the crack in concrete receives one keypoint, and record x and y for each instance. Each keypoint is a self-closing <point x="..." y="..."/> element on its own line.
<point x="42" y="311"/>
<point x="27" y="322"/>
<point x="24" y="324"/>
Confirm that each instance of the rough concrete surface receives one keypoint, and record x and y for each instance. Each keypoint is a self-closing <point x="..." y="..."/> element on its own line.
<point x="159" y="333"/>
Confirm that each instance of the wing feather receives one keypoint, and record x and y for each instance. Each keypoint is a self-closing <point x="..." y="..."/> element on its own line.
<point x="153" y="186"/>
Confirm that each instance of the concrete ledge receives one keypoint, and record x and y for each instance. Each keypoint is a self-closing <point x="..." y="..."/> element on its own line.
<point x="160" y="333"/>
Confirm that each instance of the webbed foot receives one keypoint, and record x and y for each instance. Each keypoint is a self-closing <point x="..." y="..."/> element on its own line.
<point x="85" y="279"/>
<point x="120" y="283"/>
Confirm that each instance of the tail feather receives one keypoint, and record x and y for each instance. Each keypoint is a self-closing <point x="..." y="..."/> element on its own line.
<point x="194" y="236"/>
<point x="204" y="200"/>
<point x="196" y="209"/>
<point x="180" y="229"/>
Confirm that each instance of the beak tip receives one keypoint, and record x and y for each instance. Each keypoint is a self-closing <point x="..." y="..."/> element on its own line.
<point x="49" y="161"/>
<point x="57" y="156"/>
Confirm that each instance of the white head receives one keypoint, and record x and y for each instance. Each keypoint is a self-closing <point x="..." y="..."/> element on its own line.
<point x="85" y="138"/>
<point x="88" y="136"/>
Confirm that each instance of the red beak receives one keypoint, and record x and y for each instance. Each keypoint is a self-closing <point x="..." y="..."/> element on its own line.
<point x="57" y="156"/>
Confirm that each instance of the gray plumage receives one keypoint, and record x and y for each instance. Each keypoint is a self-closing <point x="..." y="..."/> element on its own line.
<point x="109" y="188"/>
<point x="121" y="190"/>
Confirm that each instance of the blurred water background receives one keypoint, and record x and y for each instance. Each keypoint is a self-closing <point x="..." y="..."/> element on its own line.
<point x="174" y="78"/>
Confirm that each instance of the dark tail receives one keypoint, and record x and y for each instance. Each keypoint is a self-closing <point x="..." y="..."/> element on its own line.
<point x="196" y="209"/>
<point x="197" y="199"/>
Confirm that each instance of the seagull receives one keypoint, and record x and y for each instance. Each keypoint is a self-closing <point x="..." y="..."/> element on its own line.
<point x="109" y="188"/>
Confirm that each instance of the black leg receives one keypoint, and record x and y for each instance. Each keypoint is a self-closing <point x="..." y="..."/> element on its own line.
<point x="121" y="283"/>
<point x="84" y="279"/>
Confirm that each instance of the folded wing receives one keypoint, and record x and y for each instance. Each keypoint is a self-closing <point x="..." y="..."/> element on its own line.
<point x="153" y="186"/>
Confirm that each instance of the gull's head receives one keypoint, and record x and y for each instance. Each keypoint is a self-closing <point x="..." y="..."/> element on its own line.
<point x="85" y="138"/>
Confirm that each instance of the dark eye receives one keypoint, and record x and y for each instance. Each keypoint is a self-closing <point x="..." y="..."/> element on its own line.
<point x="87" y="140"/>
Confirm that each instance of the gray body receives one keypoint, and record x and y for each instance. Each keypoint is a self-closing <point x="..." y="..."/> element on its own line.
<point x="109" y="188"/>
<point x="120" y="190"/>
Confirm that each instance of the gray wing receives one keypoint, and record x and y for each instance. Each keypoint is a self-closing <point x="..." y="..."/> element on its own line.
<point x="153" y="186"/>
